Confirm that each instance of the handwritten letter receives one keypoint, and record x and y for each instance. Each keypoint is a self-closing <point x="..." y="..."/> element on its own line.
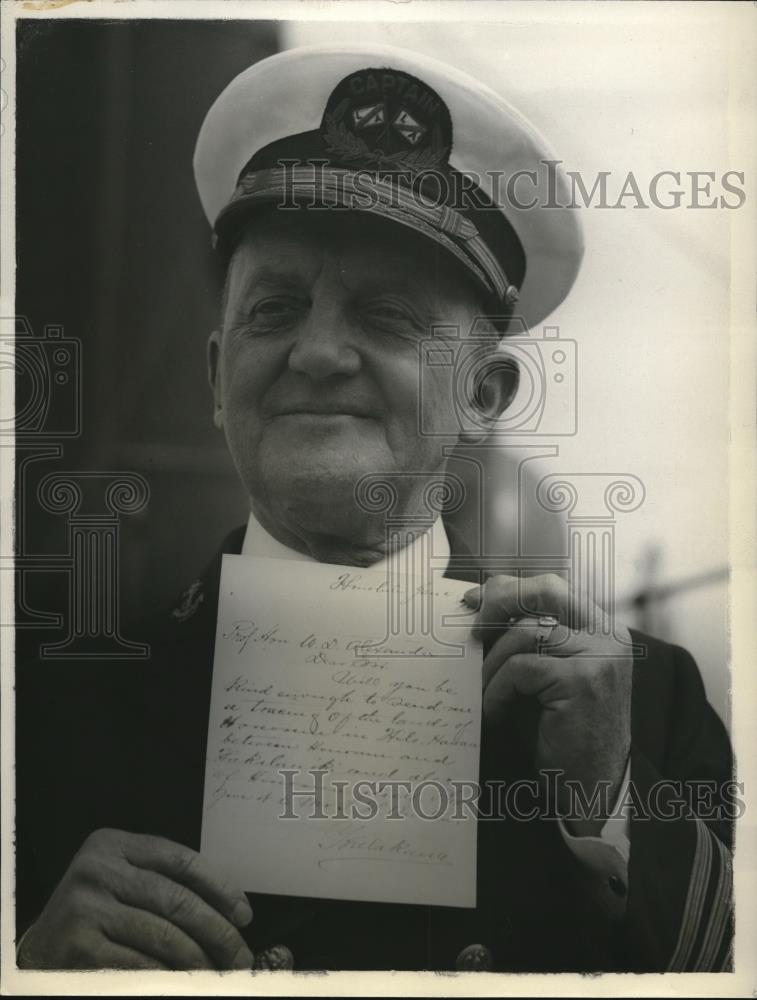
<point x="315" y="693"/>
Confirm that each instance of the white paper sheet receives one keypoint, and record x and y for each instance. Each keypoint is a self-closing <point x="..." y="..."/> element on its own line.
<point x="343" y="670"/>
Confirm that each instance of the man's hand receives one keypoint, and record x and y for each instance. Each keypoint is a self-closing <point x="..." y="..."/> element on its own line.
<point x="131" y="901"/>
<point x="581" y="678"/>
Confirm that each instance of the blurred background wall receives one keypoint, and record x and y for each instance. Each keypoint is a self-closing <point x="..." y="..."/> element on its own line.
<point x="112" y="245"/>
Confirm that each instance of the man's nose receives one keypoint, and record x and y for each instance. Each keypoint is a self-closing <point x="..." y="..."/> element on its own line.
<point x="325" y="345"/>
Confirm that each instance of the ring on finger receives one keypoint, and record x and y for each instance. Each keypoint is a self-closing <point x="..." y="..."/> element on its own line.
<point x="546" y="624"/>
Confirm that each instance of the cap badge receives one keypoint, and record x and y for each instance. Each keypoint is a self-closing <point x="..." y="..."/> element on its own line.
<point x="389" y="120"/>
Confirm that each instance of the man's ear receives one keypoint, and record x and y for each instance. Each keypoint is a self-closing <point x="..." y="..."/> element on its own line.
<point x="214" y="376"/>
<point x="495" y="386"/>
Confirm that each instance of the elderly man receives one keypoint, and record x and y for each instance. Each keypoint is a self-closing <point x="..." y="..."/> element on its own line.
<point x="349" y="231"/>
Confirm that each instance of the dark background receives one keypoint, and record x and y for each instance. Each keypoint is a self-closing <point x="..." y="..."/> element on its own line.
<point x="112" y="244"/>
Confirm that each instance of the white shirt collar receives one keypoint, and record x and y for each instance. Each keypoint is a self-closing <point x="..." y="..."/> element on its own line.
<point x="259" y="542"/>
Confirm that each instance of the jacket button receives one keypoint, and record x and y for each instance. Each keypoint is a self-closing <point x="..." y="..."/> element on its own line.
<point x="617" y="885"/>
<point x="474" y="958"/>
<point x="278" y="956"/>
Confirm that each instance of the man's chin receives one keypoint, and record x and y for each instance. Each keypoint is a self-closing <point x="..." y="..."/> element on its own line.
<point x="315" y="482"/>
<point x="318" y="484"/>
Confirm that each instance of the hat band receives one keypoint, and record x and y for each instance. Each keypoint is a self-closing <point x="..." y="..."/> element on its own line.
<point x="367" y="192"/>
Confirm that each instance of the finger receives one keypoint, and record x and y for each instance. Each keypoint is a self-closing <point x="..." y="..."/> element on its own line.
<point x="504" y="599"/>
<point x="182" y="864"/>
<point x="216" y="937"/>
<point x="523" y="637"/>
<point x="118" y="956"/>
<point x="90" y="947"/>
<point x="149" y="934"/>
<point x="524" y="674"/>
<point x="512" y="597"/>
<point x="474" y="595"/>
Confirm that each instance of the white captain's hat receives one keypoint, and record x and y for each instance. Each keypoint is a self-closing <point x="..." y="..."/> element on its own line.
<point x="403" y="136"/>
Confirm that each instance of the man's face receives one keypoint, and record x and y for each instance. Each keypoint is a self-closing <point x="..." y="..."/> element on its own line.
<point x="316" y="372"/>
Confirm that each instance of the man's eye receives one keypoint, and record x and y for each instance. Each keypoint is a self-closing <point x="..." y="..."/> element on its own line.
<point x="390" y="313"/>
<point x="274" y="307"/>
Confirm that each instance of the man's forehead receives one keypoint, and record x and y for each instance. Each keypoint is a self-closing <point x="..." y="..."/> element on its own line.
<point x="292" y="243"/>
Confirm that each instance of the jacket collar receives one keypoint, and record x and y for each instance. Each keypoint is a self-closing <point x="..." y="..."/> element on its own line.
<point x="200" y="600"/>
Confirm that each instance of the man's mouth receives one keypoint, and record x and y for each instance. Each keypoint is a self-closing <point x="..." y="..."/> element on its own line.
<point x="316" y="409"/>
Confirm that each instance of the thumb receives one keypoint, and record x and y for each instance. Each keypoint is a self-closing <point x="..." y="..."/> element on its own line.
<point x="472" y="597"/>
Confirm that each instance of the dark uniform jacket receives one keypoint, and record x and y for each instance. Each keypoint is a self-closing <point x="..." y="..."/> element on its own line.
<point x="123" y="745"/>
